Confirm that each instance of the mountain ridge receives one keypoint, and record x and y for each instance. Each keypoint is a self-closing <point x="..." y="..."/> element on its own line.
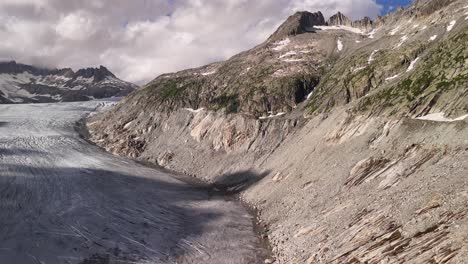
<point x="276" y="63"/>
<point x="22" y="83"/>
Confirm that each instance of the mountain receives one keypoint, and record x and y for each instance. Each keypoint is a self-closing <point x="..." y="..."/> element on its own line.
<point x="350" y="138"/>
<point x="20" y="83"/>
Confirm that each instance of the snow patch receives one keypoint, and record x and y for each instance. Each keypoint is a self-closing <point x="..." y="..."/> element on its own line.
<point x="358" y="41"/>
<point x="393" y="77"/>
<point x="272" y="115"/>
<point x="281" y="44"/>
<point x="246" y="71"/>
<point x="191" y="110"/>
<point x="402" y="40"/>
<point x="411" y="67"/>
<point x="371" y="34"/>
<point x="85" y="80"/>
<point x="439" y="117"/>
<point x="77" y="88"/>
<point x="292" y="60"/>
<point x="291" y="53"/>
<point x="351" y="29"/>
<point x="433" y="38"/>
<point x="57" y="97"/>
<point x="394" y="31"/>
<point x="208" y="73"/>
<point x="425" y="27"/>
<point x="371" y="57"/>
<point x="339" y="45"/>
<point x="451" y="25"/>
<point x="359" y="68"/>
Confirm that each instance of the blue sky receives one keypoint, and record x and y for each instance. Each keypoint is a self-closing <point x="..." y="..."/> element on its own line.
<point x="391" y="5"/>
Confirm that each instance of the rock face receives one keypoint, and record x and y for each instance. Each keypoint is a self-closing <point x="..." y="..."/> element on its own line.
<point x="427" y="7"/>
<point x="365" y="24"/>
<point x="338" y="126"/>
<point x="299" y="23"/>
<point x="339" y="20"/>
<point x="21" y="83"/>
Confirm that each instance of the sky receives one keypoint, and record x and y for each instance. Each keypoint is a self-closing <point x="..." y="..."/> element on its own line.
<point x="391" y="5"/>
<point x="141" y="39"/>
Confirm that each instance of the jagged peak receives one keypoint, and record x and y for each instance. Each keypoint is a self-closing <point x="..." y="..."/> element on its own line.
<point x="339" y="19"/>
<point x="98" y="73"/>
<point x="13" y="67"/>
<point x="299" y="23"/>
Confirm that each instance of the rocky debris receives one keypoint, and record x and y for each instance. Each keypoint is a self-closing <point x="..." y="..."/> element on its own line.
<point x="427" y="7"/>
<point x="340" y="168"/>
<point x="364" y="168"/>
<point x="373" y="237"/>
<point x="20" y="83"/>
<point x="390" y="171"/>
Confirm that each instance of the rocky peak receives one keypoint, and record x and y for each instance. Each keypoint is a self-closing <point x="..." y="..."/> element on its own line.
<point x="99" y="74"/>
<point x="67" y="72"/>
<point x="11" y="67"/>
<point x="339" y="19"/>
<point x="366" y="23"/>
<point x="299" y="23"/>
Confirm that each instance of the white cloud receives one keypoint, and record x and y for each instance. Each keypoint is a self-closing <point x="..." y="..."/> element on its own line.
<point x="141" y="39"/>
<point x="77" y="26"/>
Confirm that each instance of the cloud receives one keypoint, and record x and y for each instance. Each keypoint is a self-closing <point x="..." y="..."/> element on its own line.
<point x="141" y="39"/>
<point x="77" y="26"/>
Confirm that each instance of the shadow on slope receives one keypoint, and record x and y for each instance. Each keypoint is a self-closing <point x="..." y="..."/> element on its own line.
<point x="237" y="182"/>
<point x="54" y="215"/>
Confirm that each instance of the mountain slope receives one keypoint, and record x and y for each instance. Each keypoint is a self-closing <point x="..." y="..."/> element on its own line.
<point x="360" y="126"/>
<point x="21" y="83"/>
<point x="305" y="54"/>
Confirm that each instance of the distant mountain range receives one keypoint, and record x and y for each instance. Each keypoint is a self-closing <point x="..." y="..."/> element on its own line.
<point x="20" y="83"/>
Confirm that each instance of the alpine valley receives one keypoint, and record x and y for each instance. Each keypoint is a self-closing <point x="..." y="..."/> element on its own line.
<point x="350" y="138"/>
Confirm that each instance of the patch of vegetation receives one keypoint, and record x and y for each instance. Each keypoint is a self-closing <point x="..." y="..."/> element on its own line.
<point x="172" y="89"/>
<point x="228" y="102"/>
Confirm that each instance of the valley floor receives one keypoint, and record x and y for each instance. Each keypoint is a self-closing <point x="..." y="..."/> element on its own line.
<point x="63" y="200"/>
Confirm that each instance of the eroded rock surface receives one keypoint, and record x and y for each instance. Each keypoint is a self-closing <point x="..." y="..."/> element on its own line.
<point x="344" y="124"/>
